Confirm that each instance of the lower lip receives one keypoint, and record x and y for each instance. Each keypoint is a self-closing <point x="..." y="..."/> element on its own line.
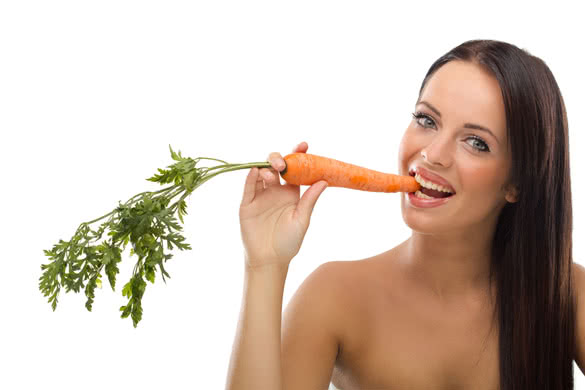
<point x="426" y="203"/>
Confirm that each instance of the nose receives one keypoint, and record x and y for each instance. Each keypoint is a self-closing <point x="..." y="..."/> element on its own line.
<point x="439" y="151"/>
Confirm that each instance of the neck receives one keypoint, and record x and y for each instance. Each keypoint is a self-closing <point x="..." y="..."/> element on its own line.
<point x="450" y="265"/>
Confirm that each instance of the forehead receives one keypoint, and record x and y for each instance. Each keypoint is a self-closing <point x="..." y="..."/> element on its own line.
<point x="465" y="92"/>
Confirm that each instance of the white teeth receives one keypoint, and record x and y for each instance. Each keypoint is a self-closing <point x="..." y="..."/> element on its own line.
<point x="430" y="185"/>
<point x="421" y="195"/>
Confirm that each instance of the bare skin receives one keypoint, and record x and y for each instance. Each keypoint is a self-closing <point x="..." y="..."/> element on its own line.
<point x="418" y="316"/>
<point x="429" y="314"/>
<point x="426" y="308"/>
<point x="398" y="336"/>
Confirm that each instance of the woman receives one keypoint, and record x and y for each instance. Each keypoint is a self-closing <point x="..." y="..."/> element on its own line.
<point x="481" y="296"/>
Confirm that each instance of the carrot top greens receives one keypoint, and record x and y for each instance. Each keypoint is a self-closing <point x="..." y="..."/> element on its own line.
<point x="147" y="220"/>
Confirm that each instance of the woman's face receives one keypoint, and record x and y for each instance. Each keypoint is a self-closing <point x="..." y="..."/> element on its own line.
<point x="475" y="162"/>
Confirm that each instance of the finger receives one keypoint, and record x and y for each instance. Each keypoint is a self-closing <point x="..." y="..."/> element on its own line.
<point x="276" y="161"/>
<point x="307" y="203"/>
<point x="270" y="176"/>
<point x="250" y="187"/>
<point x="301" y="148"/>
<point x="260" y="183"/>
<point x="277" y="165"/>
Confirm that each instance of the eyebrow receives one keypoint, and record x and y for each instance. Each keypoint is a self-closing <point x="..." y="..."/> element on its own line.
<point x="467" y="125"/>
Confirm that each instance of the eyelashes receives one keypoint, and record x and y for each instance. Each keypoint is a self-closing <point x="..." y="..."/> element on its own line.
<point x="483" y="146"/>
<point x="420" y="115"/>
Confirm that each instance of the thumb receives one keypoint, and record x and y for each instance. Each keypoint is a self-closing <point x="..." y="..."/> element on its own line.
<point x="309" y="198"/>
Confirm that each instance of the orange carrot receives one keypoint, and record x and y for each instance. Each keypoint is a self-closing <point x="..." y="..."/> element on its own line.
<point x="306" y="169"/>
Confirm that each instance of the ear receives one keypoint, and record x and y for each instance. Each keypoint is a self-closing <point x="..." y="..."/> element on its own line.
<point x="512" y="194"/>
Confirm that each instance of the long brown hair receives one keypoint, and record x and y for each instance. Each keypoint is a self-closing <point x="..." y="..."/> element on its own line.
<point x="532" y="246"/>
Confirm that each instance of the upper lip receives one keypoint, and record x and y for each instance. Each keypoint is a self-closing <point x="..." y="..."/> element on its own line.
<point x="430" y="176"/>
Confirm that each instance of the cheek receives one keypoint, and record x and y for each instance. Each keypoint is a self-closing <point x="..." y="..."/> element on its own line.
<point x="481" y="179"/>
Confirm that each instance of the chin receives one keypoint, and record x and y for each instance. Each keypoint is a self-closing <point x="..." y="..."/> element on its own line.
<point x="422" y="222"/>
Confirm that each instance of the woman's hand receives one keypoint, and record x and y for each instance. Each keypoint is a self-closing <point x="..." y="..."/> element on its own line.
<point x="273" y="217"/>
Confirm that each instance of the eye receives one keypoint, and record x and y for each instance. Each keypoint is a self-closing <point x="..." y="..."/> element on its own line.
<point x="419" y="115"/>
<point x="478" y="144"/>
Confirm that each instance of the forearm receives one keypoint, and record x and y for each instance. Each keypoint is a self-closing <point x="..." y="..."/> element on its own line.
<point x="255" y="362"/>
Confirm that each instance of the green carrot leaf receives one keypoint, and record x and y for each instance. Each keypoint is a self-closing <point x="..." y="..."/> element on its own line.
<point x="145" y="221"/>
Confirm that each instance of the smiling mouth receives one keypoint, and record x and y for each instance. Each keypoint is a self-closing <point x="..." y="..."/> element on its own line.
<point x="433" y="193"/>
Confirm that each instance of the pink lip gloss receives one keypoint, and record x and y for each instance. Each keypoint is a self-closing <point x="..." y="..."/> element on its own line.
<point x="426" y="203"/>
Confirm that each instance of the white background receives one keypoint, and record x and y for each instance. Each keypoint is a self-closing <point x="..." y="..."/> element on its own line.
<point x="92" y="94"/>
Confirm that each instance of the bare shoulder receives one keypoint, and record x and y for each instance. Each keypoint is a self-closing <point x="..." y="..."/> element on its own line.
<point x="331" y="278"/>
<point x="578" y="272"/>
<point x="325" y="295"/>
<point x="358" y="289"/>
<point x="349" y="280"/>
<point x="339" y="281"/>
<point x="345" y="288"/>
<point x="314" y="326"/>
